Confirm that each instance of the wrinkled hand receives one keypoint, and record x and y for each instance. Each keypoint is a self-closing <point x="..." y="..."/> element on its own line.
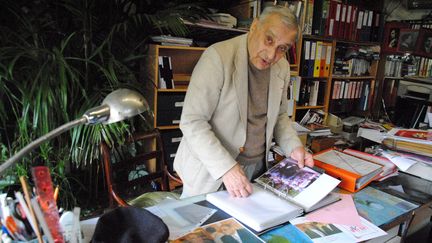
<point x="303" y="158"/>
<point x="236" y="182"/>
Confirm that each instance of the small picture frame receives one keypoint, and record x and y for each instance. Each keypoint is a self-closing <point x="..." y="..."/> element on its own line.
<point x="424" y="43"/>
<point x="407" y="40"/>
<point x="391" y="35"/>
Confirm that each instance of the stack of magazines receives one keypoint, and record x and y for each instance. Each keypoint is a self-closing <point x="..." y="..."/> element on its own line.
<point x="168" y="40"/>
<point x="410" y="140"/>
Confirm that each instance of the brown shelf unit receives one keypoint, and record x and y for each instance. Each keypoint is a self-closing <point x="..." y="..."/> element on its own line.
<point x="167" y="103"/>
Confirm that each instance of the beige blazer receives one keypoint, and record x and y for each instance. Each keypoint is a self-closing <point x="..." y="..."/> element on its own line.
<point x="214" y="116"/>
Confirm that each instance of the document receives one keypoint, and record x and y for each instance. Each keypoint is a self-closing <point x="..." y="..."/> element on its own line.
<point x="335" y="233"/>
<point x="342" y="212"/>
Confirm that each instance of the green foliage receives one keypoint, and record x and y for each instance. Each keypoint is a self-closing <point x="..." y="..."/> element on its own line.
<point x="60" y="58"/>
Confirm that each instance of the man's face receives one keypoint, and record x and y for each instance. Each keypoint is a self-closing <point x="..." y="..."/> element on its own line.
<point x="269" y="41"/>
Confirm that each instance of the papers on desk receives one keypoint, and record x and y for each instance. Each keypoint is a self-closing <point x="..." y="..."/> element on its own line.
<point x="417" y="165"/>
<point x="321" y="232"/>
<point x="227" y="230"/>
<point x="380" y="207"/>
<point x="404" y="160"/>
<point x="341" y="212"/>
<point x="181" y="217"/>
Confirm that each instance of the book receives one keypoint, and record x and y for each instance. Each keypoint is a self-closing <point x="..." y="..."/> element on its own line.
<point x="227" y="230"/>
<point x="282" y="193"/>
<point x="380" y="207"/>
<point x="324" y="232"/>
<point x="354" y="172"/>
<point x="410" y="140"/>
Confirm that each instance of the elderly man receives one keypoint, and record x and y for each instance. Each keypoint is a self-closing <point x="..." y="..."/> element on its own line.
<point x="235" y="105"/>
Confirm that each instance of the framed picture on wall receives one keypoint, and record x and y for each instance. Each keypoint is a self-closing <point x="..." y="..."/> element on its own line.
<point x="424" y="43"/>
<point x="391" y="35"/>
<point x="407" y="40"/>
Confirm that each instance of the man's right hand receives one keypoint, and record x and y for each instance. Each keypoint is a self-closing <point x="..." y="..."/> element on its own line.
<point x="236" y="182"/>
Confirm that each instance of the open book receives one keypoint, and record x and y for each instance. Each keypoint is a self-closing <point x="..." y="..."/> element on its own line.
<point x="286" y="192"/>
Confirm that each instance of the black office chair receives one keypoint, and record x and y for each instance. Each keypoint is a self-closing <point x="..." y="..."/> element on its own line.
<point x="136" y="172"/>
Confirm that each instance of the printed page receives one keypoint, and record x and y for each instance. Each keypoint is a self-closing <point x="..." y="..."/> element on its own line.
<point x="305" y="187"/>
<point x="322" y="232"/>
<point x="181" y="216"/>
<point x="341" y="212"/>
<point x="227" y="230"/>
<point x="260" y="211"/>
<point x="347" y="162"/>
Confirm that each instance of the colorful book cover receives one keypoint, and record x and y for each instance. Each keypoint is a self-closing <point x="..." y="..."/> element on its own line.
<point x="415" y="134"/>
<point x="380" y="207"/>
<point x="287" y="178"/>
<point x="285" y="234"/>
<point x="228" y="230"/>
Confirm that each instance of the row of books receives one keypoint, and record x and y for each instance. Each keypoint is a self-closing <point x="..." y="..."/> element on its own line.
<point x="346" y="89"/>
<point x="393" y="66"/>
<point x="166" y="80"/>
<point x="168" y="40"/>
<point x="311" y="93"/>
<point x="342" y="21"/>
<point x="425" y="67"/>
<point x="398" y="66"/>
<point x="354" y="92"/>
<point x="353" y="60"/>
<point x="316" y="57"/>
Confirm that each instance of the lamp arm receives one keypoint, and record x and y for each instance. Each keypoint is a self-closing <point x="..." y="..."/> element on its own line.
<point x="27" y="149"/>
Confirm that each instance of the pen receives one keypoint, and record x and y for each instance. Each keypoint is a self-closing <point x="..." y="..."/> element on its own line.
<point x="29" y="205"/>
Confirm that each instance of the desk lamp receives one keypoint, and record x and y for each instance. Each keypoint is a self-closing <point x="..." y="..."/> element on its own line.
<point x="119" y="105"/>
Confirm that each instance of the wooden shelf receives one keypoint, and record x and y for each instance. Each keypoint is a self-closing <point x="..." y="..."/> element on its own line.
<point x="314" y="77"/>
<point x="318" y="38"/>
<point x="353" y="78"/>
<point x="171" y="90"/>
<point x="309" y="107"/>
<point x="190" y="48"/>
<point x="168" y="127"/>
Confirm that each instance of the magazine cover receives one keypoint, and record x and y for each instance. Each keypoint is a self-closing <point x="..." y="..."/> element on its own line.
<point x="228" y="230"/>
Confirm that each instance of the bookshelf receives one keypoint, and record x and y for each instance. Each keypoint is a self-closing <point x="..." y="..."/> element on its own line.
<point x="404" y="74"/>
<point x="336" y="25"/>
<point x="167" y="103"/>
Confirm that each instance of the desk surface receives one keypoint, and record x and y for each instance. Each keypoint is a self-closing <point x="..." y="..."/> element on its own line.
<point x="405" y="186"/>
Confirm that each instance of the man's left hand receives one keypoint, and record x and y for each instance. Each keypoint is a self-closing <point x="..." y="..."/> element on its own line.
<point x="303" y="158"/>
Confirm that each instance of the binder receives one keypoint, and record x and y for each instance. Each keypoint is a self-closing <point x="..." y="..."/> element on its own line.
<point x="353" y="25"/>
<point x="348" y="22"/>
<point x="359" y="24"/>
<point x="317" y="15"/>
<point x="327" y="59"/>
<point x="312" y="59"/>
<point x="337" y="20"/>
<point x="355" y="173"/>
<point x="342" y="22"/>
<point x="317" y="62"/>
<point x="165" y="73"/>
<point x="306" y="58"/>
<point x="330" y="22"/>
<point x="323" y="59"/>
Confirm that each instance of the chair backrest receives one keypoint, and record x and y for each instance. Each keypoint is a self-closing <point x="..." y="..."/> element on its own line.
<point x="135" y="167"/>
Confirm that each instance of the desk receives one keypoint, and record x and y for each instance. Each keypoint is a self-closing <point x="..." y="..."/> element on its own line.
<point x="412" y="189"/>
<point x="409" y="183"/>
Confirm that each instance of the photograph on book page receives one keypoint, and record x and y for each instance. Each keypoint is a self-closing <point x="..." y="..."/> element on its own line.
<point x="228" y="230"/>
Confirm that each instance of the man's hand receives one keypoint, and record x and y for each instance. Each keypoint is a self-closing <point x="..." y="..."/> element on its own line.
<point x="303" y="158"/>
<point x="236" y="182"/>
